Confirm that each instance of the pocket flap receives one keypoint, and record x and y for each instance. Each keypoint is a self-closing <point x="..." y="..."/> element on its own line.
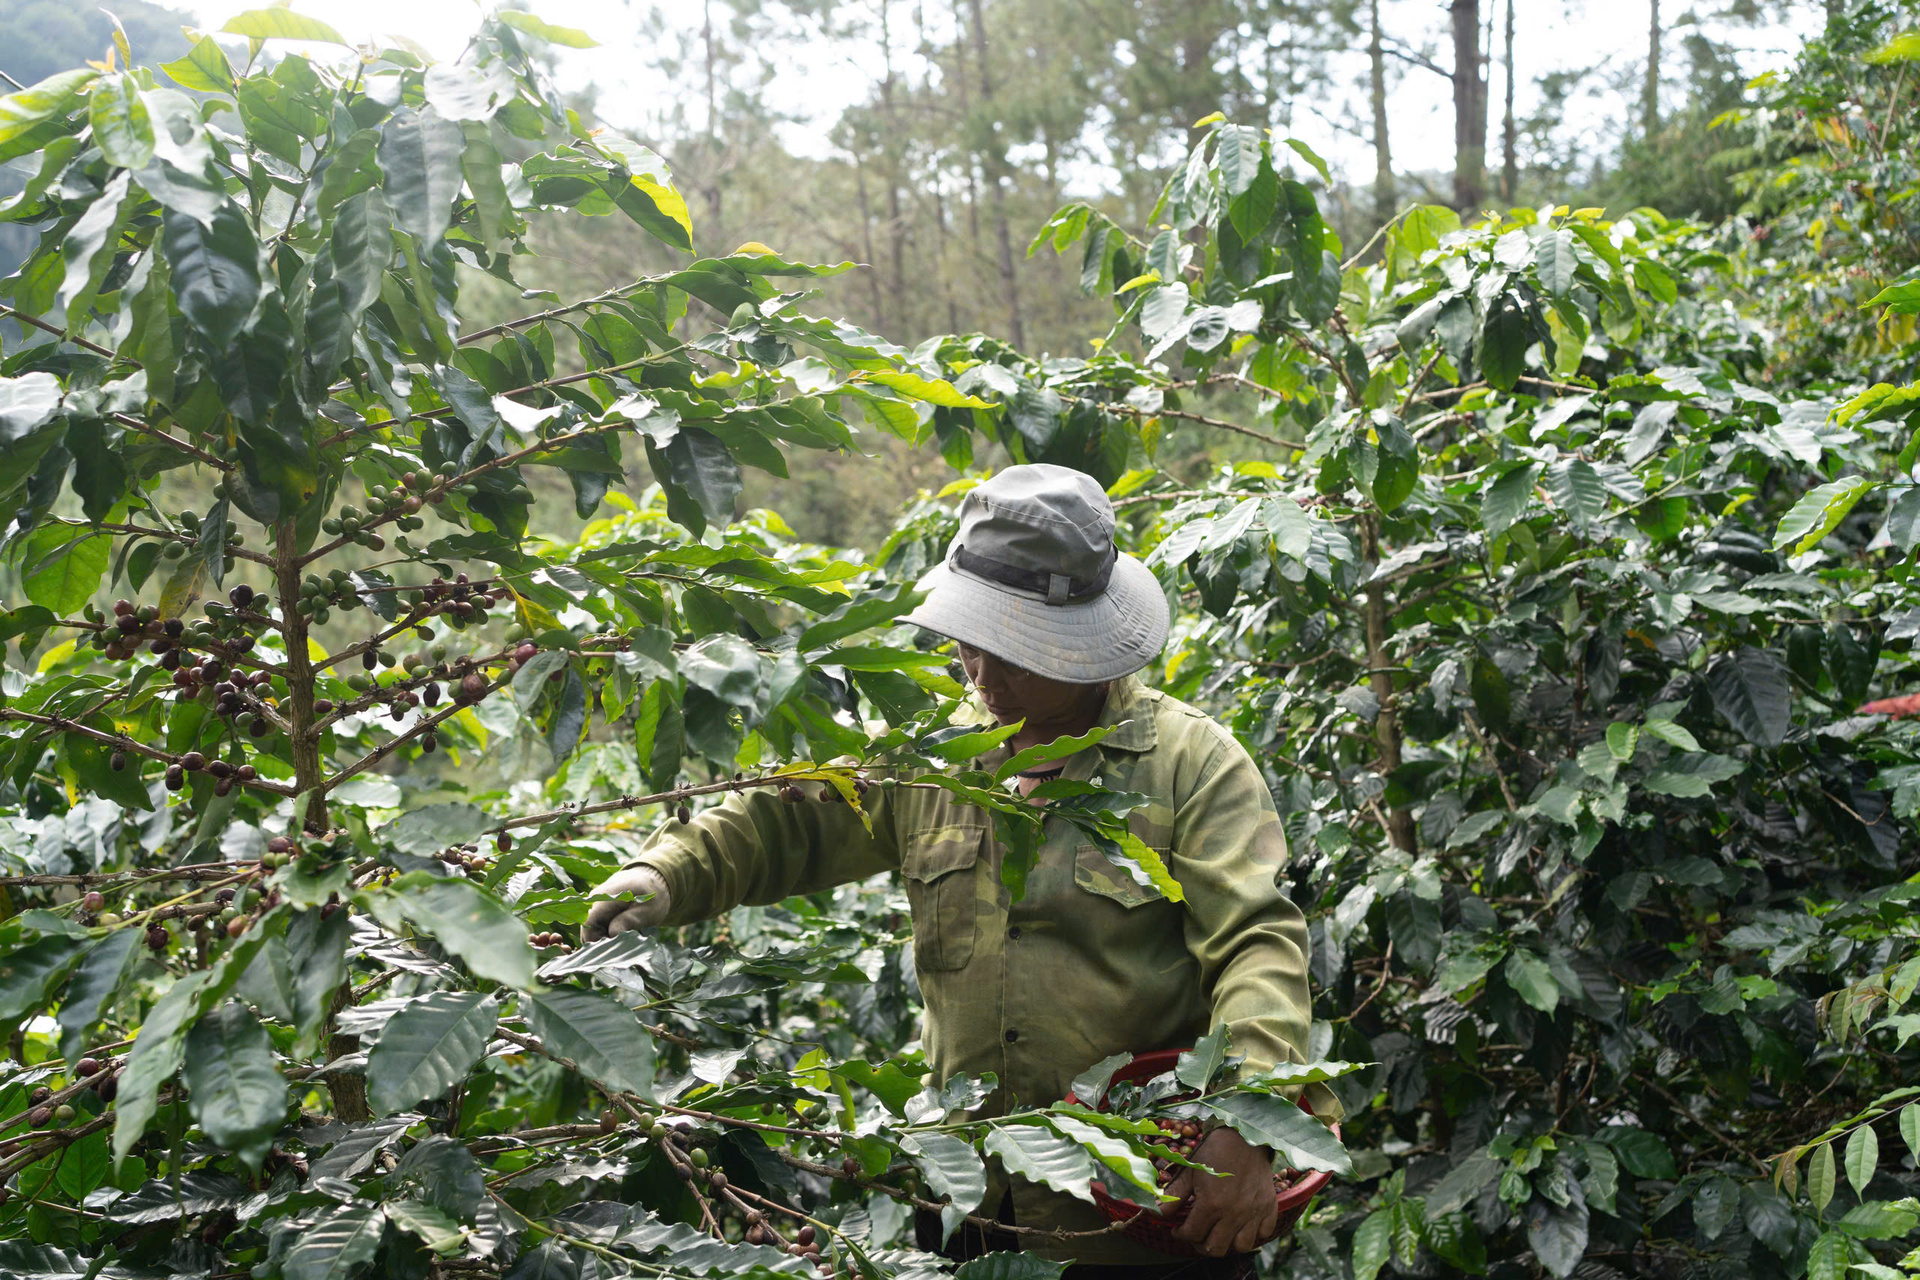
<point x="935" y="852"/>
<point x="1095" y="873"/>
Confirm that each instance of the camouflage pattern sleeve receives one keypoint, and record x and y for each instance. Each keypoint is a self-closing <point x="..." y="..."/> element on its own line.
<point x="1248" y="937"/>
<point x="754" y="849"/>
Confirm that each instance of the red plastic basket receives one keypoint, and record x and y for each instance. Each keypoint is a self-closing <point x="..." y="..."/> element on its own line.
<point x="1146" y="1223"/>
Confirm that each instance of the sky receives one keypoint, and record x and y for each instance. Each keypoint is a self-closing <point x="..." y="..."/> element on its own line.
<point x="816" y="80"/>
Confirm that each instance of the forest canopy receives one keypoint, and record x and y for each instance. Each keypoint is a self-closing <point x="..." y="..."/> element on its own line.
<point x="395" y="458"/>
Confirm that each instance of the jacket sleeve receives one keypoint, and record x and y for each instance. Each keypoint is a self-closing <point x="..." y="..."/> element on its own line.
<point x="1248" y="937"/>
<point x="754" y="848"/>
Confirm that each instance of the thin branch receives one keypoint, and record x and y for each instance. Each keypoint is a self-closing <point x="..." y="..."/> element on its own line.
<point x="124" y="743"/>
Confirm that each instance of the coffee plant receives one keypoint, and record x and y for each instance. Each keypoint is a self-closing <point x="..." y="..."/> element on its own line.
<point x="315" y="748"/>
<point x="1562" y="604"/>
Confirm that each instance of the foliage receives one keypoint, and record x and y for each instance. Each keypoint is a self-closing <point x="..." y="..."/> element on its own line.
<point x="1549" y="605"/>
<point x="289" y="960"/>
<point x="1830" y="200"/>
<point x="1551" y="623"/>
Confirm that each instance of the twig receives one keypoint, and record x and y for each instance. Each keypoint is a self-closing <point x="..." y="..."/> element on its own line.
<point x="124" y="743"/>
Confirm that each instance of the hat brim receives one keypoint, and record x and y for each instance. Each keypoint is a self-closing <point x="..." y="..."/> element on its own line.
<point x="1113" y="635"/>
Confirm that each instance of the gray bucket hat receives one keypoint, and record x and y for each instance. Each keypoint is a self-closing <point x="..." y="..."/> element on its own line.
<point x="1033" y="578"/>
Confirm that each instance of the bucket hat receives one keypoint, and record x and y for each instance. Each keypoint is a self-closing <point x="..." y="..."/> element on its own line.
<point x="1033" y="578"/>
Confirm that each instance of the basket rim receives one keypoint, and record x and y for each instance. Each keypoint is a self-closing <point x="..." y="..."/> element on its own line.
<point x="1149" y="1219"/>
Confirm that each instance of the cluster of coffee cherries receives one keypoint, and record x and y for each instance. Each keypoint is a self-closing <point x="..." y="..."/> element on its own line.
<point x="102" y="1077"/>
<point x="467" y="858"/>
<point x="200" y="655"/>
<point x="753" y="1225"/>
<point x="403" y="500"/>
<point x="225" y="774"/>
<point x="1181" y="1136"/>
<point x="461" y="601"/>
<point x="828" y="793"/>
<point x="545" y="940"/>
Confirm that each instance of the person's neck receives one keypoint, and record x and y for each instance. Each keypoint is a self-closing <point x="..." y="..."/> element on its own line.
<point x="1072" y="725"/>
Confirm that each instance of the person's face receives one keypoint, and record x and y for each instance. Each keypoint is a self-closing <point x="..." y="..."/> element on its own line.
<point x="1012" y="693"/>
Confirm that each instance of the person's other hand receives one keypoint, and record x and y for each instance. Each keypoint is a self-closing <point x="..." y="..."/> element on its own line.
<point x="1230" y="1214"/>
<point x="608" y="918"/>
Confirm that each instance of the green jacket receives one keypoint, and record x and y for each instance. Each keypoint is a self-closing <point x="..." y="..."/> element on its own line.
<point x="1088" y="964"/>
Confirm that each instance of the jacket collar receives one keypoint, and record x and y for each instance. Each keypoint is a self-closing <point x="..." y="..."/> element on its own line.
<point x="1129" y="713"/>
<point x="1130" y="710"/>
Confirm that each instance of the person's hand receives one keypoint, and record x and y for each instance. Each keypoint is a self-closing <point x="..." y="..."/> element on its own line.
<point x="607" y="918"/>
<point x="1230" y="1214"/>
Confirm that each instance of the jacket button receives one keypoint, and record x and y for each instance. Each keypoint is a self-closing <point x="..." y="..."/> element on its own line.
<point x="1014" y="933"/>
<point x="1012" y="1035"/>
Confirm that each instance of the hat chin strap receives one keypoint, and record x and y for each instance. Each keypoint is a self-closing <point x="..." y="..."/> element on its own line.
<point x="1056" y="588"/>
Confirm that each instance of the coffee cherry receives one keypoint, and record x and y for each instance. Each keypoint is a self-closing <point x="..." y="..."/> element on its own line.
<point x="108" y="1087"/>
<point x="699" y="1158"/>
<point x="804" y="1236"/>
<point x="503" y="842"/>
<point x="473" y="687"/>
<point x="645" y="1120"/>
<point x="39" y="1116"/>
<point x="40" y="1094"/>
<point x="62" y="1113"/>
<point x="236" y="926"/>
<point x="279" y="844"/>
<point x="609" y="1120"/>
<point x="756" y="1234"/>
<point x="241" y="595"/>
<point x="176" y="777"/>
<point x="93" y="901"/>
<point x="719" y="1181"/>
<point x="193" y="762"/>
<point x="683" y="815"/>
<point x="246" y="773"/>
<point x="157" y="937"/>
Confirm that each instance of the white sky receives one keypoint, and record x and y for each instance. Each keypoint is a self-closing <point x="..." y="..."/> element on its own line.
<point x="815" y="82"/>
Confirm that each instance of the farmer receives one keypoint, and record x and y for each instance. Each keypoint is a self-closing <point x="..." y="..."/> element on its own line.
<point x="1051" y="625"/>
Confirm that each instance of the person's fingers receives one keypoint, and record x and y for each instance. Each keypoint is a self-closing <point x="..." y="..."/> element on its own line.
<point x="1250" y="1235"/>
<point x="1205" y="1215"/>
<point x="599" y="916"/>
<point x="1220" y="1238"/>
<point x="627" y="920"/>
<point x="1180" y="1188"/>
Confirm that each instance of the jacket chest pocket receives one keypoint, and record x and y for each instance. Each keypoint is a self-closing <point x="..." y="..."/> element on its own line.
<point x="1093" y="872"/>
<point x="938" y="865"/>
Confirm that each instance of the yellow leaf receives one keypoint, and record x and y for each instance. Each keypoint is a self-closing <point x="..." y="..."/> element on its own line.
<point x="535" y="618"/>
<point x="315" y="653"/>
<point x="1560" y="211"/>
<point x="1204" y="121"/>
<point x="471" y="723"/>
<point x="57" y="655"/>
<point x="754" y="247"/>
<point x="1139" y="282"/>
<point x="667" y="200"/>
<point x="1588" y="212"/>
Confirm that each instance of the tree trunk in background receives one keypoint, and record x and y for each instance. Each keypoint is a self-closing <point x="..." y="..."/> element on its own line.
<point x="1509" y="132"/>
<point x="1383" y="197"/>
<point x="996" y="179"/>
<point x="706" y="35"/>
<point x="966" y="115"/>
<point x="1650" y="96"/>
<point x="895" y="143"/>
<point x="866" y="243"/>
<point x="1469" y="109"/>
